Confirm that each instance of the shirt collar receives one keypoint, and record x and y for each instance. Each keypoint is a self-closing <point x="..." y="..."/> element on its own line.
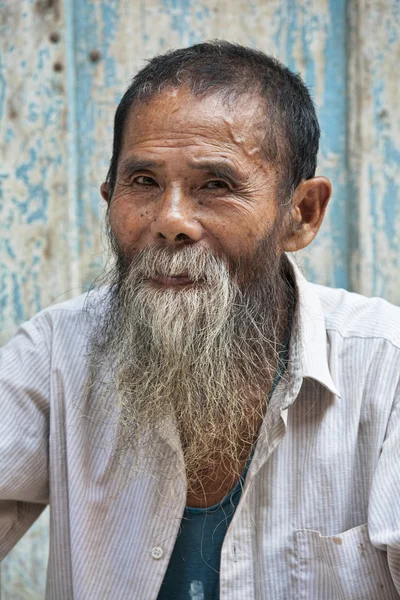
<point x="310" y="325"/>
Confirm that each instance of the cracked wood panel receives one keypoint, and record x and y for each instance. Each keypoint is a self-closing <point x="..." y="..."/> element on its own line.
<point x="35" y="232"/>
<point x="63" y="67"/>
<point x="35" y="228"/>
<point x="374" y="147"/>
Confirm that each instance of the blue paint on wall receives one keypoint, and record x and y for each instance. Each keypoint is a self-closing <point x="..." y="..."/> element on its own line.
<point x="333" y="114"/>
<point x="4" y="297"/>
<point x="43" y="58"/>
<point x="2" y="87"/>
<point x="36" y="193"/>
<point x="10" y="135"/>
<point x="18" y="305"/>
<point x="391" y="212"/>
<point x="384" y="142"/>
<point x="332" y="110"/>
<point x="176" y="10"/>
<point x="9" y="249"/>
<point x="22" y="172"/>
<point x="180" y="13"/>
<point x="33" y="113"/>
<point x="375" y="219"/>
<point x="110" y="20"/>
<point x="91" y="33"/>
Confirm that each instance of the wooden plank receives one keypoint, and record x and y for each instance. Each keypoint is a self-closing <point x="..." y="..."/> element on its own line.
<point x="374" y="147"/>
<point x="34" y="217"/>
<point x="34" y="235"/>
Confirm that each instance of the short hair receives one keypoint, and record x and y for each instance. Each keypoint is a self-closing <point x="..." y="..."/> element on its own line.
<point x="291" y="135"/>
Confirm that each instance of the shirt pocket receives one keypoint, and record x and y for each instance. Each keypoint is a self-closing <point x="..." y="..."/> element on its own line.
<point x="345" y="566"/>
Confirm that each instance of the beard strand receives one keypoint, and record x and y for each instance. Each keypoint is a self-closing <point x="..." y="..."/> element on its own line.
<point x="199" y="360"/>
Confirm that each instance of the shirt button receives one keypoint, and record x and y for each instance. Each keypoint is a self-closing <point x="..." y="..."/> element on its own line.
<point x="157" y="552"/>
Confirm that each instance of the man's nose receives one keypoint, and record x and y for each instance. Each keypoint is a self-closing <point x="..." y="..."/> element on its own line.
<point x="175" y="220"/>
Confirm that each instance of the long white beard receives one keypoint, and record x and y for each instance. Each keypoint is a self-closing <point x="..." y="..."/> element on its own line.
<point x="205" y="356"/>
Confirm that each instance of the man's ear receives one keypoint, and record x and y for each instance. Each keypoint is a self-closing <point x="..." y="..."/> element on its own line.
<point x="105" y="191"/>
<point x="307" y="212"/>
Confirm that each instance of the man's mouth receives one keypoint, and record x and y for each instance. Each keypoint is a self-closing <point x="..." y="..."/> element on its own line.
<point x="173" y="280"/>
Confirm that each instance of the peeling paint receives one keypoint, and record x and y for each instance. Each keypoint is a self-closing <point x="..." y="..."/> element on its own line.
<point x="374" y="148"/>
<point x="33" y="149"/>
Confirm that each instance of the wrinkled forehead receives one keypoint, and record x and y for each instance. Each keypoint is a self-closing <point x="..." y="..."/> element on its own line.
<point x="177" y="113"/>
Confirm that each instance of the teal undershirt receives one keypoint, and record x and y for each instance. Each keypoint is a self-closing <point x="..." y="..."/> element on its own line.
<point x="193" y="570"/>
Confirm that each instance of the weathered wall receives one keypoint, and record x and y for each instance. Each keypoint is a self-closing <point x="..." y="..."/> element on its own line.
<point x="63" y="66"/>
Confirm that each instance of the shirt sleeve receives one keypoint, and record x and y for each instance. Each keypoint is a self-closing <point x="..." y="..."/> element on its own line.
<point x="24" y="432"/>
<point x="384" y="505"/>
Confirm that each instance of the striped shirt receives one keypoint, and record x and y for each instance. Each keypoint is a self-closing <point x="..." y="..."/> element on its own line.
<point x="319" y="516"/>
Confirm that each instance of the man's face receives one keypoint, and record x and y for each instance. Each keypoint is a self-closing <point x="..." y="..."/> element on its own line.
<point x="191" y="170"/>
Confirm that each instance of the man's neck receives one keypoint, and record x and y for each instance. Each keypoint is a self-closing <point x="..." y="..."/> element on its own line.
<point x="216" y="482"/>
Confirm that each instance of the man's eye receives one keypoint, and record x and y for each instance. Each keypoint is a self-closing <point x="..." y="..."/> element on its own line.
<point x="143" y="180"/>
<point x="216" y="184"/>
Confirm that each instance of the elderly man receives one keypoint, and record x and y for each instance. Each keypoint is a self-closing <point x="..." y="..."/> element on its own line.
<point x="205" y="423"/>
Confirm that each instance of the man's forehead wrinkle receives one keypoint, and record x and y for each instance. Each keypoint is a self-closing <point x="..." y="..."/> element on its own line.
<point x="181" y="128"/>
<point x="188" y="120"/>
<point x="153" y="149"/>
<point x="229" y="145"/>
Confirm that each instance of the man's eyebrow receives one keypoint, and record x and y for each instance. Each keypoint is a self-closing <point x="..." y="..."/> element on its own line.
<point x="132" y="165"/>
<point x="217" y="168"/>
<point x="221" y="170"/>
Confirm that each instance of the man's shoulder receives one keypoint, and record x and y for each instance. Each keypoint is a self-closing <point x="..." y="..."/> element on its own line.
<point x="353" y="315"/>
<point x="81" y="303"/>
<point x="72" y="305"/>
<point x="75" y="312"/>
